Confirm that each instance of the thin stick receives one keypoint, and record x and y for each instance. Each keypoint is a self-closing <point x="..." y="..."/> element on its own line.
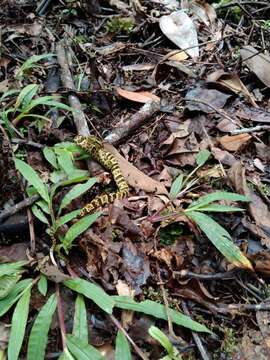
<point x="251" y="129"/>
<point x="61" y="317"/>
<point x="21" y="205"/>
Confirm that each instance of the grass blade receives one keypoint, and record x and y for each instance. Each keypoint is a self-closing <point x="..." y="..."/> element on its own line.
<point x="78" y="228"/>
<point x="93" y="292"/>
<point x="221" y="239"/>
<point x="7" y="283"/>
<point x="216" y="208"/>
<point x="32" y="177"/>
<point x="80" y="326"/>
<point x="11" y="268"/>
<point x="39" y="333"/>
<point x="157" y="310"/>
<point x="26" y="95"/>
<point x="202" y="157"/>
<point x="82" y="350"/>
<point x="122" y="348"/>
<point x="176" y="186"/>
<point x="18" y="325"/>
<point x="50" y="156"/>
<point x="43" y="285"/>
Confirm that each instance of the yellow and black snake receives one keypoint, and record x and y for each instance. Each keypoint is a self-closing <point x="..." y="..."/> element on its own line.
<point x="94" y="147"/>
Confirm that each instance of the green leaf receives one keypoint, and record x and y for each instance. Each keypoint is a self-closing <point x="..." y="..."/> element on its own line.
<point x="216" y="196"/>
<point x="122" y="349"/>
<point x="11" y="268"/>
<point x="43" y="285"/>
<point x="32" y="177"/>
<point x="202" y="157"/>
<point x="18" y="325"/>
<point x="158" y="335"/>
<point x="220" y="238"/>
<point x="44" y="206"/>
<point x="65" y="160"/>
<point x="14" y="295"/>
<point x="7" y="283"/>
<point x="82" y="350"/>
<point x="217" y="208"/>
<point x="176" y="186"/>
<point x="26" y="95"/>
<point x="31" y="62"/>
<point x="39" y="333"/>
<point x="93" y="292"/>
<point x="157" y="310"/>
<point x="48" y="101"/>
<point x="39" y="214"/>
<point x="80" y="326"/>
<point x="78" y="228"/>
<point x="66" y="218"/>
<point x="75" y="192"/>
<point x="50" y="156"/>
<point x="66" y="355"/>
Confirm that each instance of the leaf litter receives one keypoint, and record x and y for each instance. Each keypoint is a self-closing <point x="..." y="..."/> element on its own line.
<point x="171" y="246"/>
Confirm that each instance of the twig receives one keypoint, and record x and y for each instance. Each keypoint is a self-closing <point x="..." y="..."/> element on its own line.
<point x="196" y="337"/>
<point x="136" y="120"/>
<point x="27" y="142"/>
<point x="215" y="276"/>
<point x="21" y="205"/>
<point x="251" y="129"/>
<point x="61" y="317"/>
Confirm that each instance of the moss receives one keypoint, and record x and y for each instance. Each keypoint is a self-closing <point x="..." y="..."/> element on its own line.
<point x="119" y="25"/>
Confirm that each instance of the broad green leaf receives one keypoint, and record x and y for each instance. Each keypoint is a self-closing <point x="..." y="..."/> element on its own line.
<point x="32" y="177"/>
<point x="202" y="157"/>
<point x="66" y="183"/>
<point x="80" y="326"/>
<point x="216" y="196"/>
<point x="48" y="101"/>
<point x="39" y="332"/>
<point x="50" y="156"/>
<point x="158" y="335"/>
<point x="43" y="285"/>
<point x="14" y="295"/>
<point x="66" y="355"/>
<point x="27" y="93"/>
<point x="66" y="218"/>
<point x="44" y="206"/>
<point x="220" y="238"/>
<point x="11" y="268"/>
<point x="82" y="350"/>
<point x="157" y="310"/>
<point x="93" y="292"/>
<point x="75" y="192"/>
<point x="65" y="160"/>
<point x="7" y="283"/>
<point x="122" y="349"/>
<point x="39" y="214"/>
<point x="18" y="325"/>
<point x="217" y="208"/>
<point x="78" y="228"/>
<point x="9" y="93"/>
<point x="32" y="62"/>
<point x="176" y="186"/>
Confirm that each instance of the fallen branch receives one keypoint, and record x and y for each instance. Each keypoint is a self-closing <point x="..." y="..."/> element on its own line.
<point x="21" y="205"/>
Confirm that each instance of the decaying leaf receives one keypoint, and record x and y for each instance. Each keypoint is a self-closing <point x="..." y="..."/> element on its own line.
<point x="235" y="142"/>
<point x="180" y="29"/>
<point x="257" y="63"/>
<point x="141" y="97"/>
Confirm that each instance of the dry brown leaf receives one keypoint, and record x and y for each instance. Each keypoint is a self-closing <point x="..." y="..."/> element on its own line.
<point x="257" y="208"/>
<point x="226" y="125"/>
<point x="134" y="176"/>
<point x="257" y="63"/>
<point x="180" y="56"/>
<point x="141" y="97"/>
<point x="231" y="82"/>
<point x="235" y="142"/>
<point x="256" y="115"/>
<point x="4" y="85"/>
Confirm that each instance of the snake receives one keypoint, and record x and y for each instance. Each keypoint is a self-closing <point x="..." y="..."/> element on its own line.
<point x="95" y="148"/>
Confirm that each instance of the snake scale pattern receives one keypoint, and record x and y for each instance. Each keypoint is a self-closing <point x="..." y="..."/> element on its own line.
<point x="94" y="147"/>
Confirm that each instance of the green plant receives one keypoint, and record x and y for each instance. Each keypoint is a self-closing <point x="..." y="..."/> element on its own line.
<point x="157" y="334"/>
<point x="220" y="238"/>
<point x="31" y="63"/>
<point x="118" y="25"/>
<point x="77" y="346"/>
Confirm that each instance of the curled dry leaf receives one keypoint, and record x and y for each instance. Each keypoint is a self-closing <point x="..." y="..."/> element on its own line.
<point x="257" y="63"/>
<point x="231" y="82"/>
<point x="134" y="176"/>
<point x="141" y="97"/>
<point x="204" y="12"/>
<point x="180" y="29"/>
<point x="235" y="142"/>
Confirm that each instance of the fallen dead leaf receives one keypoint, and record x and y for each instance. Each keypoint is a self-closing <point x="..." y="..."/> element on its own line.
<point x="138" y="67"/>
<point x="134" y="176"/>
<point x="180" y="29"/>
<point x="226" y="125"/>
<point x="4" y="86"/>
<point x="180" y="56"/>
<point x="204" y="12"/>
<point x="251" y="347"/>
<point x="263" y="151"/>
<point x="252" y="114"/>
<point x="257" y="208"/>
<point x="223" y="156"/>
<point x="141" y="97"/>
<point x="257" y="63"/>
<point x="231" y="82"/>
<point x="235" y="142"/>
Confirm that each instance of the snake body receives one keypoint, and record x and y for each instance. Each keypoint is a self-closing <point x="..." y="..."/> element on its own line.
<point x="94" y="147"/>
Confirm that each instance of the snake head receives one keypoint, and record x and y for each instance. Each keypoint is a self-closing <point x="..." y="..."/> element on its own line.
<point x="88" y="143"/>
